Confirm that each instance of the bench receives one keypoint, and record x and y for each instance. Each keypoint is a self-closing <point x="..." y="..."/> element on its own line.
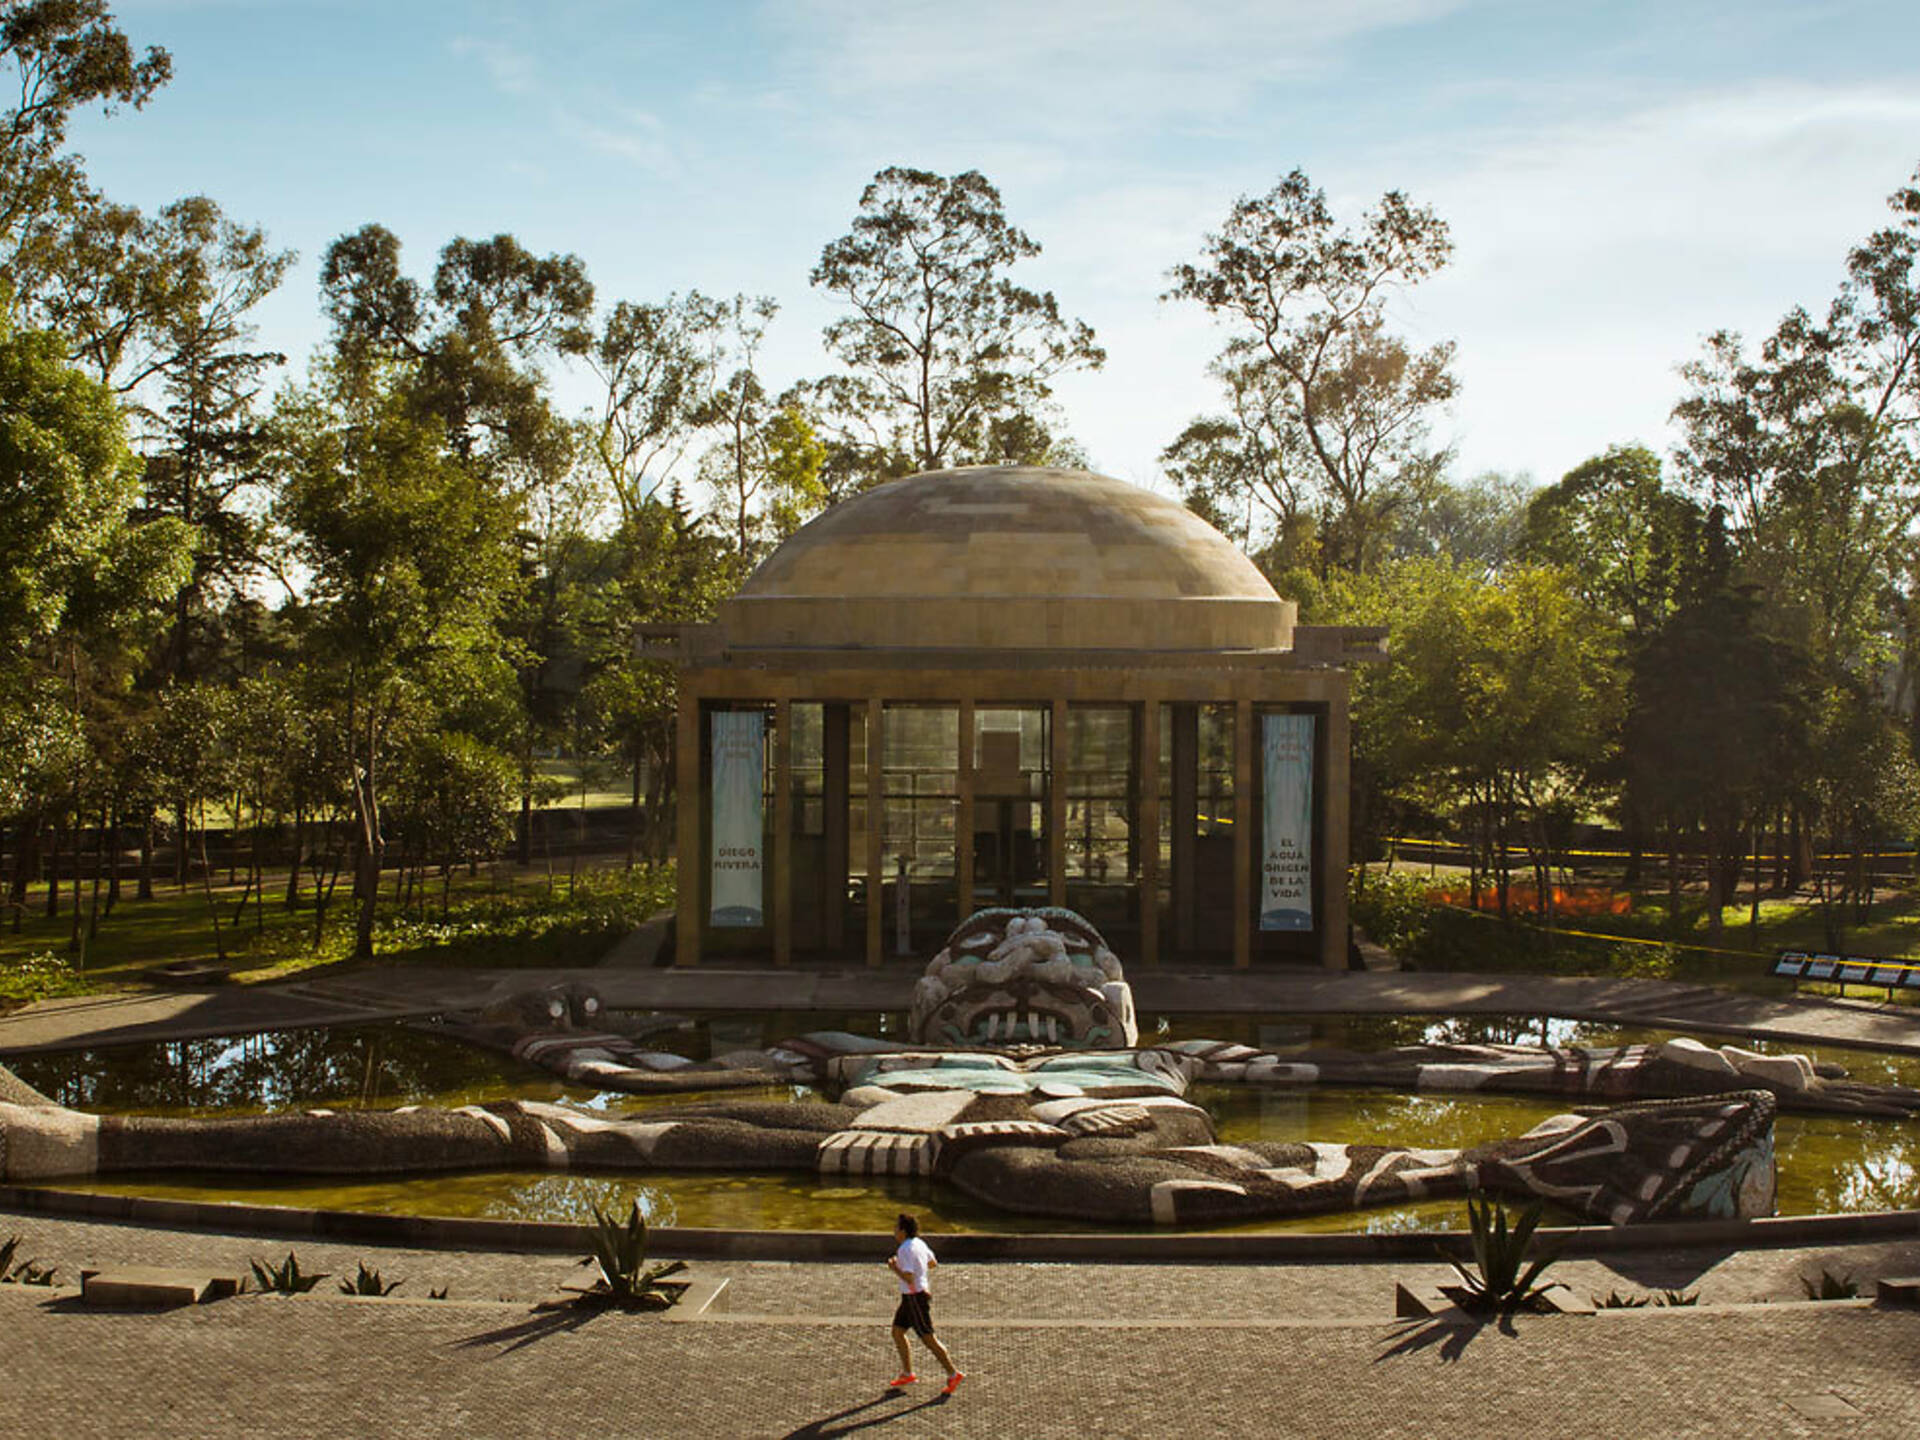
<point x="1845" y="970"/>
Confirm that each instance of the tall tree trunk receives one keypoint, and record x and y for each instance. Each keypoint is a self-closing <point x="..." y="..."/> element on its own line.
<point x="144" y="891"/>
<point x="53" y="872"/>
<point x="293" y="867"/>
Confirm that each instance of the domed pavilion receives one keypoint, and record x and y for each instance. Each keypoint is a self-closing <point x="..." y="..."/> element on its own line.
<point x="1009" y="685"/>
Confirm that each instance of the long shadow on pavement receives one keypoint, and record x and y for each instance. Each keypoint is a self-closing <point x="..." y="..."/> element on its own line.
<point x="541" y="1325"/>
<point x="1451" y="1336"/>
<point x="843" y="1423"/>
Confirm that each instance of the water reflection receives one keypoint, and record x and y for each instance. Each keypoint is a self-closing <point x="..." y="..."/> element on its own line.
<point x="1827" y="1164"/>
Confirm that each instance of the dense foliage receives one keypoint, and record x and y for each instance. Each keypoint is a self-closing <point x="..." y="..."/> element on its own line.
<point x="347" y="619"/>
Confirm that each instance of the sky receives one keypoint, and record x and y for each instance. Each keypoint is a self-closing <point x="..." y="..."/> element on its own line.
<point x="1621" y="179"/>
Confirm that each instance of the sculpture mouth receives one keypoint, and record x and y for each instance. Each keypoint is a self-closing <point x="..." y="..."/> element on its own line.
<point x="1024" y="1012"/>
<point x="1015" y="1024"/>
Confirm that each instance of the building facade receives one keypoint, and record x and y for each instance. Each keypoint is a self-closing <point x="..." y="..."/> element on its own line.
<point x="1012" y="686"/>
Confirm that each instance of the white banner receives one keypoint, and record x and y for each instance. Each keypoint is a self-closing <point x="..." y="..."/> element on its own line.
<point x="739" y="765"/>
<point x="1286" y="860"/>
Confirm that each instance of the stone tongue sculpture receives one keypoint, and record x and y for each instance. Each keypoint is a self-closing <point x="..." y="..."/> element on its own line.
<point x="1023" y="1085"/>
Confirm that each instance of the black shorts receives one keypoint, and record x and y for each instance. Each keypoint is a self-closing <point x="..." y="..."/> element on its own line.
<point x="915" y="1313"/>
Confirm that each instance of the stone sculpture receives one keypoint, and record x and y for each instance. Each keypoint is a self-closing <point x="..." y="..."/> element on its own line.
<point x="1045" y="1105"/>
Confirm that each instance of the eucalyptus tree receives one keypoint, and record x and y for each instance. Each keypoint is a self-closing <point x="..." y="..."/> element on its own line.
<point x="1341" y="408"/>
<point x="655" y="364"/>
<point x="412" y="559"/>
<point x="63" y="56"/>
<point x="940" y="342"/>
<point x="474" y="341"/>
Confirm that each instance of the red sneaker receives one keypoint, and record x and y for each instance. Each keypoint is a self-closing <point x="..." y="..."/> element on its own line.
<point x="953" y="1381"/>
<point x="900" y="1380"/>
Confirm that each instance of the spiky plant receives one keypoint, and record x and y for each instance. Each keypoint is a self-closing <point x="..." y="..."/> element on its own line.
<point x="1498" y="1282"/>
<point x="368" y="1282"/>
<point x="285" y="1278"/>
<point x="620" y="1250"/>
<point x="1616" y="1301"/>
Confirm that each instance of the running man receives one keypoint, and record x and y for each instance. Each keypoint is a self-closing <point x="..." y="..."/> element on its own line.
<point x="910" y="1262"/>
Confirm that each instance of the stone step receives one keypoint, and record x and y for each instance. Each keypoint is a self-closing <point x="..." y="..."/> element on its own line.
<point x="153" y="1287"/>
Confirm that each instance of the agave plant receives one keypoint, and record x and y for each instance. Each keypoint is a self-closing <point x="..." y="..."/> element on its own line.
<point x="285" y="1278"/>
<point x="1614" y="1300"/>
<point x="620" y="1250"/>
<point x="367" y="1282"/>
<point x="1498" y="1283"/>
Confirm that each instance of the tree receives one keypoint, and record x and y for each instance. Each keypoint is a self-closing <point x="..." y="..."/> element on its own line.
<point x="1612" y="522"/>
<point x="65" y="54"/>
<point x="1479" y="522"/>
<point x="655" y="364"/>
<point x="940" y="341"/>
<point x="495" y="311"/>
<point x="1719" y="724"/>
<point x="670" y="570"/>
<point x="1341" y="406"/>
<point x="411" y="556"/>
<point x="1496" y="708"/>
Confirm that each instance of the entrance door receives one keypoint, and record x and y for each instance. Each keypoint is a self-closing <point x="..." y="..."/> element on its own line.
<point x="1010" y="806"/>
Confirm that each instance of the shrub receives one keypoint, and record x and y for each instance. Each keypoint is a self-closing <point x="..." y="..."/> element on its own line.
<point x="45" y="976"/>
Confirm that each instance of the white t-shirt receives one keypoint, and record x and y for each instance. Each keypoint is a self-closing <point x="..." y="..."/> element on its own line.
<point x="914" y="1258"/>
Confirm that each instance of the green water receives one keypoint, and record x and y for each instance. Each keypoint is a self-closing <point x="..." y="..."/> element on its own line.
<point x="1827" y="1164"/>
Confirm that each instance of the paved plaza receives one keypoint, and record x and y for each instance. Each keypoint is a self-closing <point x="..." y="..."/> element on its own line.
<point x="1051" y="1350"/>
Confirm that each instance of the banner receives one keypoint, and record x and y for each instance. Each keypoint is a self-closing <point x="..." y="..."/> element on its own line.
<point x="739" y="767"/>
<point x="1286" y="860"/>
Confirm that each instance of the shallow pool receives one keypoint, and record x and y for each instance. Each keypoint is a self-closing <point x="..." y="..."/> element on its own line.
<point x="1827" y="1164"/>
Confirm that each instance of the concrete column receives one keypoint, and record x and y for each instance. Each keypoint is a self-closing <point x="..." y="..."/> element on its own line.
<point x="1057" y="807"/>
<point x="690" y="858"/>
<point x="1335" y="804"/>
<point x="963" y="812"/>
<point x="835" y="796"/>
<point x="782" y="832"/>
<point x="1242" y="833"/>
<point x="1147" y="835"/>
<point x="1186" y="819"/>
<point x="876" y="824"/>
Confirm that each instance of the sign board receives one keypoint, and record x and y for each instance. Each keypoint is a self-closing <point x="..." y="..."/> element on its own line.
<point x="1286" y="831"/>
<point x="739" y="743"/>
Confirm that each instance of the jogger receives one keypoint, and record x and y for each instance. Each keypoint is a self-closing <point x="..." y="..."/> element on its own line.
<point x="911" y="1260"/>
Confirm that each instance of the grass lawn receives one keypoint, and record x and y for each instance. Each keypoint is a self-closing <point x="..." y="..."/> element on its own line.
<point x="504" y="916"/>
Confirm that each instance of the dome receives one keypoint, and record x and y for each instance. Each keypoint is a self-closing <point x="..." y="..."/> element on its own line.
<point x="1009" y="557"/>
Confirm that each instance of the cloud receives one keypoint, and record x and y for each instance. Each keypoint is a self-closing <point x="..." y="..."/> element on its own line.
<point x="625" y="133"/>
<point x="1069" y="67"/>
<point x="512" y="71"/>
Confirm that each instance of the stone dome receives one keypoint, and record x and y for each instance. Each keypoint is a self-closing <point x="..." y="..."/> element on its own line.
<point x="1009" y="557"/>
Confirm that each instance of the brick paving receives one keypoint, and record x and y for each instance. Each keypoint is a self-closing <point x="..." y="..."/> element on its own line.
<point x="1331" y="1290"/>
<point x="270" y="1366"/>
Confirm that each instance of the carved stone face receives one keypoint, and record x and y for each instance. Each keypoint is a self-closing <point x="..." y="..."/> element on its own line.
<point x="1024" y="977"/>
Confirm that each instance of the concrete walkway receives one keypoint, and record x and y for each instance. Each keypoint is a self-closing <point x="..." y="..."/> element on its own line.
<point x="389" y="993"/>
<point x="1066" y="1351"/>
